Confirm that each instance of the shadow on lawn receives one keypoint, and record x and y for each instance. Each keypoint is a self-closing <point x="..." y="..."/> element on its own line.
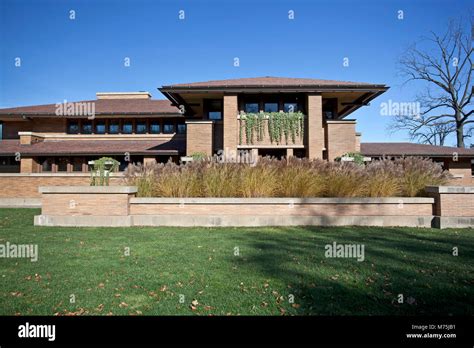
<point x="397" y="261"/>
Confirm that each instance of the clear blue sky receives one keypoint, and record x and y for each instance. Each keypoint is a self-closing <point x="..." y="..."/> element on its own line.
<point x="74" y="59"/>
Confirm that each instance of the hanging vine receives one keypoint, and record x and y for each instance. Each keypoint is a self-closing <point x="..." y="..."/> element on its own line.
<point x="287" y="126"/>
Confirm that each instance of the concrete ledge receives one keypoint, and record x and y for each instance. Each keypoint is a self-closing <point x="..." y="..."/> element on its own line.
<point x="83" y="221"/>
<point x="88" y="189"/>
<point x="449" y="189"/>
<point x="259" y="221"/>
<point x="20" y="202"/>
<point x="285" y="201"/>
<point x="453" y="222"/>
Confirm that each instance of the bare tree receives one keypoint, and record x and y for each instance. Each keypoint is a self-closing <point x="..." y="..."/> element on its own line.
<point x="446" y="104"/>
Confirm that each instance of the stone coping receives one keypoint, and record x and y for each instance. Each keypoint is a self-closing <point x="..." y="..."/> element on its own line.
<point x="450" y="189"/>
<point x="88" y="189"/>
<point x="322" y="200"/>
<point x="57" y="175"/>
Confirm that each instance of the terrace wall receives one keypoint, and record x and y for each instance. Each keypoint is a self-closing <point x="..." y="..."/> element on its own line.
<point x="20" y="185"/>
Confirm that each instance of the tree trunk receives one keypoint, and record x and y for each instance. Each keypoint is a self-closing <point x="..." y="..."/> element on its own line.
<point x="460" y="134"/>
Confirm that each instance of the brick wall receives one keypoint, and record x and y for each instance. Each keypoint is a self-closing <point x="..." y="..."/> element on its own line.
<point x="40" y="125"/>
<point x="341" y="138"/>
<point x="230" y="122"/>
<point x="315" y="130"/>
<point x="199" y="137"/>
<point x="26" y="186"/>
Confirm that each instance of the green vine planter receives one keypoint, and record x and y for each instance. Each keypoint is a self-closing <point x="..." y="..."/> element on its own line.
<point x="101" y="170"/>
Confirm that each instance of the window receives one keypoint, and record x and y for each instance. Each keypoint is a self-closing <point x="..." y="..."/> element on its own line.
<point x="46" y="164"/>
<point x="251" y="108"/>
<point x="215" y="115"/>
<point x="168" y="128"/>
<point x="114" y="127"/>
<point x="270" y="107"/>
<point x="73" y="127"/>
<point x="1" y="130"/>
<point x="155" y="127"/>
<point x="181" y="128"/>
<point x="290" y="107"/>
<point x="141" y="127"/>
<point x="77" y="164"/>
<point x="214" y="109"/>
<point x="127" y="127"/>
<point x="62" y="164"/>
<point x="86" y="127"/>
<point x="100" y="127"/>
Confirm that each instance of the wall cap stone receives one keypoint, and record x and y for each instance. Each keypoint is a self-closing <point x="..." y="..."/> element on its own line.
<point x="322" y="200"/>
<point x="449" y="189"/>
<point x="88" y="189"/>
<point x="58" y="175"/>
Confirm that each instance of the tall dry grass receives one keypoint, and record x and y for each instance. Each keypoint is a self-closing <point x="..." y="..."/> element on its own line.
<point x="287" y="178"/>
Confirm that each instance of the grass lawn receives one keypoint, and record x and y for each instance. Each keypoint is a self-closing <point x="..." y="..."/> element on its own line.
<point x="182" y="271"/>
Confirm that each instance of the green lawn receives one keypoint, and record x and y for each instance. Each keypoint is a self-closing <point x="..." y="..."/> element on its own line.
<point x="198" y="264"/>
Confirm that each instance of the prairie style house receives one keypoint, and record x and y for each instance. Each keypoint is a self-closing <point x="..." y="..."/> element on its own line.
<point x="202" y="117"/>
<point x="265" y="116"/>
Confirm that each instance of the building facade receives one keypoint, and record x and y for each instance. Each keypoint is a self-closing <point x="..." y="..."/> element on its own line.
<point x="262" y="116"/>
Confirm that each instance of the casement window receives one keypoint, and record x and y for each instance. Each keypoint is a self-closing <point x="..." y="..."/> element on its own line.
<point x="127" y="127"/>
<point x="251" y="107"/>
<point x="86" y="127"/>
<point x="181" y="128"/>
<point x="1" y="130"/>
<point x="168" y="128"/>
<point x="214" y="109"/>
<point x="73" y="127"/>
<point x="141" y="127"/>
<point x="100" y="127"/>
<point x="62" y="164"/>
<point x="114" y="127"/>
<point x="47" y="164"/>
<point x="155" y="127"/>
<point x="77" y="163"/>
<point x="290" y="107"/>
<point x="270" y="107"/>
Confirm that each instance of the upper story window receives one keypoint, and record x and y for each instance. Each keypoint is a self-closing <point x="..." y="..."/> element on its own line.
<point x="168" y="128"/>
<point x="270" y="107"/>
<point x="214" y="109"/>
<point x="73" y="127"/>
<point x="114" y="127"/>
<point x="100" y="127"/>
<point x="290" y="107"/>
<point x="181" y="128"/>
<point x="251" y="107"/>
<point x="141" y="127"/>
<point x="155" y="127"/>
<point x="86" y="127"/>
<point x="127" y="127"/>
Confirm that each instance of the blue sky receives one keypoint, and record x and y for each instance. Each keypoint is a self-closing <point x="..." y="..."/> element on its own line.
<point x="73" y="59"/>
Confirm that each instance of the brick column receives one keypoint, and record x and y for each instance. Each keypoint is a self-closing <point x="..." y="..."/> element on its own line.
<point x="230" y="123"/>
<point x="28" y="165"/>
<point x="341" y="138"/>
<point x="315" y="127"/>
<point x="199" y="137"/>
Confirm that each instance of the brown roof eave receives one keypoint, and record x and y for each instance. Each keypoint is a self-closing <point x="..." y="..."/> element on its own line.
<point x="249" y="89"/>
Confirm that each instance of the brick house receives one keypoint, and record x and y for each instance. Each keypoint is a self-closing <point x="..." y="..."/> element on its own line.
<point x="203" y="117"/>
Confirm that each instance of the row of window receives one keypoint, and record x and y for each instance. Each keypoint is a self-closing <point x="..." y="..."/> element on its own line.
<point x="125" y="127"/>
<point x="213" y="107"/>
<point x="270" y="107"/>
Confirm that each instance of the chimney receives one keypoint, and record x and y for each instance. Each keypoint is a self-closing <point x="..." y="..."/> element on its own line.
<point x="123" y="95"/>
